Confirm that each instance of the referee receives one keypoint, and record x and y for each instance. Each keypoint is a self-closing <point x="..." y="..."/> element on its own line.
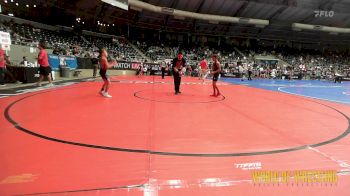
<point x="179" y="64"/>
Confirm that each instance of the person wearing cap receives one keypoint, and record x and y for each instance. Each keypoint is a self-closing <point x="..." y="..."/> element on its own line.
<point x="179" y="64"/>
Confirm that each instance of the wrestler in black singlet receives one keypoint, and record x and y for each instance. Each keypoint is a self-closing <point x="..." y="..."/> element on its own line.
<point x="216" y="75"/>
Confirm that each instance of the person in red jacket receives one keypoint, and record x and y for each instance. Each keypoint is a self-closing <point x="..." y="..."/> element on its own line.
<point x="204" y="69"/>
<point x="43" y="61"/>
<point x="2" y="67"/>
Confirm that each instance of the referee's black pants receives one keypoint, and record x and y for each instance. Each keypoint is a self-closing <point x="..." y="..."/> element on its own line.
<point x="2" y="75"/>
<point x="163" y="72"/>
<point x="177" y="82"/>
<point x="338" y="79"/>
<point x="249" y="75"/>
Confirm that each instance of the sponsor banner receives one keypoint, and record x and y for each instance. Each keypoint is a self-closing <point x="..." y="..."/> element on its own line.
<point x="85" y="63"/>
<point x="5" y="38"/>
<point x="55" y="61"/>
<point x="123" y="65"/>
<point x="153" y="66"/>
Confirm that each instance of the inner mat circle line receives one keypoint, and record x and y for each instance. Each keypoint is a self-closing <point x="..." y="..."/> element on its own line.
<point x="136" y="94"/>
<point x="145" y="151"/>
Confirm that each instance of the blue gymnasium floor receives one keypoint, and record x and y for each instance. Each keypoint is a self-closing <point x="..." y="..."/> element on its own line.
<point x="324" y="90"/>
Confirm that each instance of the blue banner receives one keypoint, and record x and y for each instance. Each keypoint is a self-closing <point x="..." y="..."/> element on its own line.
<point x="70" y="61"/>
<point x="55" y="61"/>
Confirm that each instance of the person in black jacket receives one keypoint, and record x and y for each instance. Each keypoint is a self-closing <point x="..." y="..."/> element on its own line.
<point x="94" y="61"/>
<point x="163" y="69"/>
<point x="179" y="64"/>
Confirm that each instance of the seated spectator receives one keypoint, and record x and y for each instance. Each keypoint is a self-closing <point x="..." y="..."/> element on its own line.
<point x="8" y="75"/>
<point x="24" y="62"/>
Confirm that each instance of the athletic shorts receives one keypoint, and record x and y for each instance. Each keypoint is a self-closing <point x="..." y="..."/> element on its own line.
<point x="216" y="77"/>
<point x="103" y="74"/>
<point x="45" y="71"/>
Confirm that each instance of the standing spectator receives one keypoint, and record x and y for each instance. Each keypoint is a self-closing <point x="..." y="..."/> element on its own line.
<point x="94" y="62"/>
<point x="241" y="72"/>
<point x="2" y="67"/>
<point x="204" y="69"/>
<point x="189" y="71"/>
<point x="8" y="73"/>
<point x="163" y="69"/>
<point x="261" y="72"/>
<point x="250" y="72"/>
<point x="337" y="76"/>
<point x="43" y="61"/>
<point x="140" y="71"/>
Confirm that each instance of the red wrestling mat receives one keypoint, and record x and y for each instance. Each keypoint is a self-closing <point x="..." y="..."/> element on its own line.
<point x="147" y="141"/>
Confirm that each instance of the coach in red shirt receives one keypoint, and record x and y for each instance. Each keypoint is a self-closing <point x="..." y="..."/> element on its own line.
<point x="2" y="67"/>
<point x="204" y="69"/>
<point x="43" y="61"/>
